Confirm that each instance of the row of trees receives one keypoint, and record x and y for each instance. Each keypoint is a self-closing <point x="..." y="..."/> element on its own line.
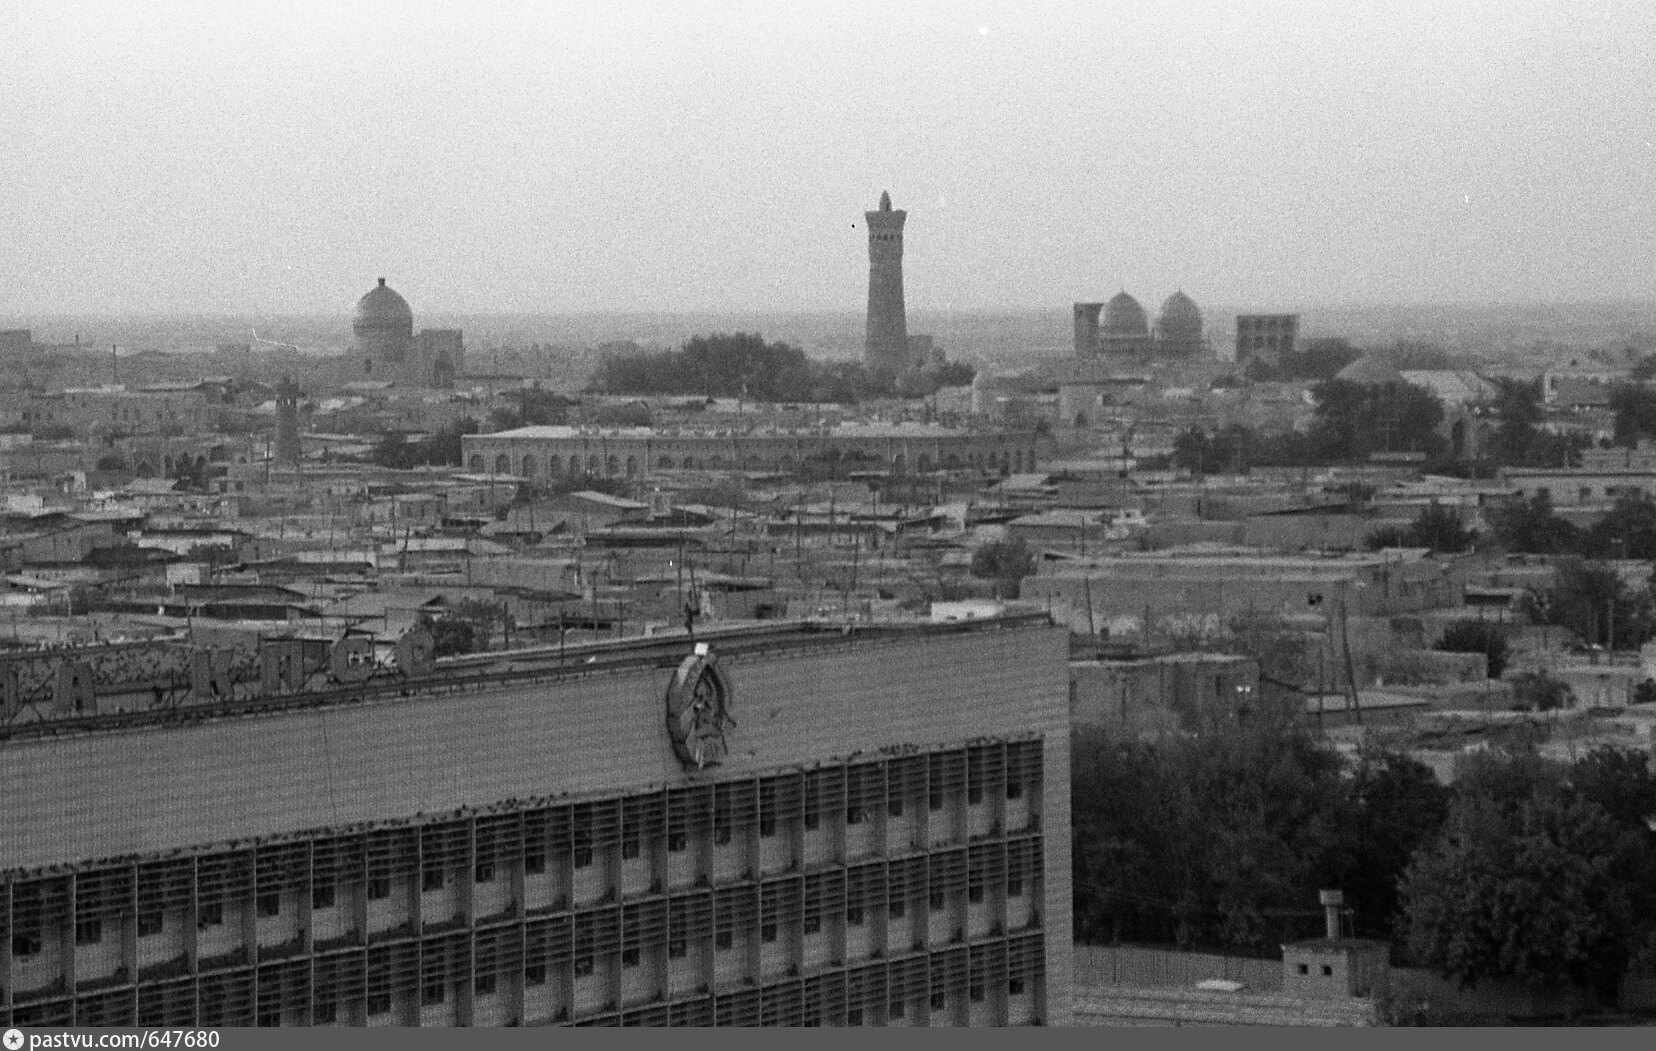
<point x="440" y="449"/>
<point x="1353" y="420"/>
<point x="1525" y="869"/>
<point x="743" y="365"/>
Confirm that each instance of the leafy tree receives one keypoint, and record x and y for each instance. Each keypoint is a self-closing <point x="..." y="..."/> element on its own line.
<point x="1208" y="839"/>
<point x="452" y="635"/>
<point x="1518" y="407"/>
<point x="1226" y="450"/>
<point x="1536" y="691"/>
<point x="1620" y="782"/>
<point x="1627" y="531"/>
<point x="1589" y="599"/>
<point x="1394" y="805"/>
<point x="1355" y="420"/>
<point x="1635" y="409"/>
<point x="1528" y="893"/>
<point x="1477" y="636"/>
<point x="1438" y="528"/>
<point x="1531" y="527"/>
<point x="112" y="462"/>
<point x="1006" y="562"/>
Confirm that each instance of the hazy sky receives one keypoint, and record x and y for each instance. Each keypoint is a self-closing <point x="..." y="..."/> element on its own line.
<point x="261" y="156"/>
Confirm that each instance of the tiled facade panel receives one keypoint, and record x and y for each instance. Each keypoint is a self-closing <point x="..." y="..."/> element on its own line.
<point x="747" y="872"/>
<point x="452" y="963"/>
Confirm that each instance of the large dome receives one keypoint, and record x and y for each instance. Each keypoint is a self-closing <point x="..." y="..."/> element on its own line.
<point x="1124" y="317"/>
<point x="383" y="308"/>
<point x="1181" y="318"/>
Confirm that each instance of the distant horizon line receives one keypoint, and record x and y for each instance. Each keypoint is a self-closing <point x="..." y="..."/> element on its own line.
<point x="1332" y="305"/>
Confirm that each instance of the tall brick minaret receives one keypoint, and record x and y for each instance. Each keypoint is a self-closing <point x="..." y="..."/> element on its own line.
<point x="886" y="351"/>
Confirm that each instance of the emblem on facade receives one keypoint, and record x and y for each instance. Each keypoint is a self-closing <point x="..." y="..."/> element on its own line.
<point x="698" y="710"/>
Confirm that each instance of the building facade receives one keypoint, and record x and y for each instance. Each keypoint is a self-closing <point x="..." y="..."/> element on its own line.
<point x="798" y="826"/>
<point x="639" y="452"/>
<point x="1266" y="336"/>
<point x="886" y="350"/>
<point x="386" y="347"/>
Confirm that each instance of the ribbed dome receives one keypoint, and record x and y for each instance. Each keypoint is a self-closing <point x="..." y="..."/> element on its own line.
<point x="383" y="308"/>
<point x="1124" y="317"/>
<point x="1181" y="318"/>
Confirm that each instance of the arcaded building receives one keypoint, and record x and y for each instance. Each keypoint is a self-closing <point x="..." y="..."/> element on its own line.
<point x="386" y="347"/>
<point x="794" y="825"/>
<point x="640" y="452"/>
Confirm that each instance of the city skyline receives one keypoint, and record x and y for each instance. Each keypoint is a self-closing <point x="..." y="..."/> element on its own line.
<point x="634" y="157"/>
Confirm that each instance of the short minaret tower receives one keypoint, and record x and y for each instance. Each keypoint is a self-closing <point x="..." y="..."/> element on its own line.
<point x="886" y="351"/>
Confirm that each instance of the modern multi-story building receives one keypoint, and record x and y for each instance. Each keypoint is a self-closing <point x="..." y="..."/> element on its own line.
<point x="637" y="452"/>
<point x="794" y="825"/>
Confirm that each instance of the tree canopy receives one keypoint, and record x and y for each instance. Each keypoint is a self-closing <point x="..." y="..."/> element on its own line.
<point x="744" y="365"/>
<point x="1355" y="420"/>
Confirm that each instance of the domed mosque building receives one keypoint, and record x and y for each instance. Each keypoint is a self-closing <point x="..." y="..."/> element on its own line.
<point x="1121" y="329"/>
<point x="388" y="350"/>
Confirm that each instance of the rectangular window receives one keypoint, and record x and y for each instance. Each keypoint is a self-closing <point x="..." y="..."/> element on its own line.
<point x="1014" y="887"/>
<point x="1014" y="986"/>
<point x="811" y="819"/>
<point x="629" y="957"/>
<point x="974" y="894"/>
<point x="379" y="888"/>
<point x="677" y="842"/>
<point x="1014" y="789"/>
<point x="895" y="807"/>
<point x="534" y="974"/>
<point x="724" y="940"/>
<point x="484" y="873"/>
<point x="210" y="915"/>
<point x="483" y="984"/>
<point x="854" y="1016"/>
<point x="853" y="816"/>
<point x="767" y="826"/>
<point x="583" y="857"/>
<point x="974" y="795"/>
<point x="895" y="1009"/>
<point x="939" y="1001"/>
<point x="269" y="905"/>
<point x="88" y="932"/>
<point x="721" y="834"/>
<point x="854" y="916"/>
<point x="976" y="994"/>
<point x="677" y="948"/>
<point x="583" y="966"/>
<point x="26" y="944"/>
<point x="939" y="901"/>
<point x="431" y="879"/>
<point x="534" y="863"/>
<point x="322" y="897"/>
<point x="150" y="923"/>
<point x="630" y="848"/>
<point x="813" y="923"/>
<point x="325" y="1013"/>
<point x="935" y="801"/>
<point x="379" y="1003"/>
<point x="897" y="909"/>
<point x="767" y="932"/>
<point x="433" y="993"/>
